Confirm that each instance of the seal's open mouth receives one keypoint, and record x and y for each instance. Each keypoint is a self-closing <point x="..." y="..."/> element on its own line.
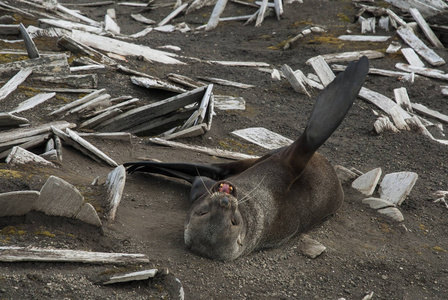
<point x="225" y="187"/>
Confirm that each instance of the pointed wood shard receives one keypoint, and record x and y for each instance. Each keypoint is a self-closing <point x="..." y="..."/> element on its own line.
<point x="20" y="156"/>
<point x="139" y="275"/>
<point x="9" y="120"/>
<point x="115" y="185"/>
<point x="395" y="187"/>
<point x="367" y="183"/>
<point x="29" y="44"/>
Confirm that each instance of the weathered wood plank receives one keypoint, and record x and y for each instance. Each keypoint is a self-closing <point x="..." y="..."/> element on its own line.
<point x="140" y="115"/>
<point x="428" y="72"/>
<point x="173" y="14"/>
<point x="33" y="101"/>
<point x="20" y="156"/>
<point x="412" y="57"/>
<point x="200" y="149"/>
<point x="17" y="254"/>
<point x="17" y="203"/>
<point x="226" y="82"/>
<point x="349" y="56"/>
<point x="217" y="11"/>
<point x="322" y="69"/>
<point x="383" y="102"/>
<point x="364" y="38"/>
<point x="429" y="112"/>
<point x="9" y="120"/>
<point x="367" y="182"/>
<point x="425" y="28"/>
<point x="402" y="98"/>
<point x="150" y="83"/>
<point x="14" y="82"/>
<point x="78" y="102"/>
<point x="296" y="82"/>
<point x="408" y="35"/>
<point x="139" y="275"/>
<point x="53" y="64"/>
<point x="76" y="81"/>
<point x="15" y="134"/>
<point x="263" y="137"/>
<point x="29" y="44"/>
<point x="124" y="48"/>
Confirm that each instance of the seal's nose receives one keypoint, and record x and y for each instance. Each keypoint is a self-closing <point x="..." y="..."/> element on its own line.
<point x="225" y="201"/>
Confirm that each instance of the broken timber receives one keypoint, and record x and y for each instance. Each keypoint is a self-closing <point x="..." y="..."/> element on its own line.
<point x="425" y="28"/>
<point x="14" y="82"/>
<point x="408" y="35"/>
<point x="263" y="137"/>
<point x="46" y="64"/>
<point x="114" y="186"/>
<point x="17" y="254"/>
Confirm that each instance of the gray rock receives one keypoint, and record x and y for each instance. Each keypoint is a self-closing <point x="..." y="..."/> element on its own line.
<point x="395" y="187"/>
<point x="377" y="203"/>
<point x="88" y="215"/>
<point x="393" y="213"/>
<point x="367" y="182"/>
<point x="59" y="198"/>
<point x="310" y="247"/>
<point x="17" y="203"/>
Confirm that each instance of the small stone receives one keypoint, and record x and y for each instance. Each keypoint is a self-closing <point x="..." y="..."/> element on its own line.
<point x="88" y="215"/>
<point x="310" y="247"/>
<point x="377" y="203"/>
<point x="367" y="182"/>
<point x="393" y="213"/>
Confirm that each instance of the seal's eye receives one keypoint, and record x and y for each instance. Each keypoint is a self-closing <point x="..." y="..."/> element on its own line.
<point x="234" y="222"/>
<point x="202" y="213"/>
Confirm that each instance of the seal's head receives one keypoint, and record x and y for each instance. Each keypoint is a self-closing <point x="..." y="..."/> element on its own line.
<point x="214" y="227"/>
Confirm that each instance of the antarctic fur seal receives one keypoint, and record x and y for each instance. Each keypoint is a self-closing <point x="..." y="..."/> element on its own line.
<point x="251" y="204"/>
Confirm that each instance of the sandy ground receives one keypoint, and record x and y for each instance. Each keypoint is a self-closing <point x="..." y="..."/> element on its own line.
<point x="366" y="252"/>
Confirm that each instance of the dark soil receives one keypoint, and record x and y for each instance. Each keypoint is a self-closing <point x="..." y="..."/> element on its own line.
<point x="366" y="252"/>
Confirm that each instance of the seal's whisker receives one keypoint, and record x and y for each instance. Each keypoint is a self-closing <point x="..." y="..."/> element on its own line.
<point x="249" y="195"/>
<point x="203" y="183"/>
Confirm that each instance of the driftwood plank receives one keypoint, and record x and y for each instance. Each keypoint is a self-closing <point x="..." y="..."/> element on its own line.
<point x="205" y="150"/>
<point x="263" y="137"/>
<point x="76" y="81"/>
<point x="367" y="182"/>
<point x="142" y="19"/>
<point x="429" y="112"/>
<point x="383" y="102"/>
<point x="364" y="38"/>
<point x="15" y="134"/>
<point x="78" y="102"/>
<point x="91" y="150"/>
<point x="296" y="82"/>
<point x="20" y="156"/>
<point x="217" y="11"/>
<point x="412" y="57"/>
<point x="150" y="83"/>
<point x="17" y="203"/>
<point x="14" y="82"/>
<point x="32" y="102"/>
<point x="428" y="72"/>
<point x="261" y="13"/>
<point x="173" y="14"/>
<point x="349" y="56"/>
<point x="52" y="64"/>
<point x="17" y="254"/>
<point x="119" y="136"/>
<point x="9" y="120"/>
<point x="227" y="82"/>
<point x="69" y="25"/>
<point x="240" y="63"/>
<point x="91" y="123"/>
<point x="322" y="69"/>
<point x="91" y="104"/>
<point x="140" y="115"/>
<point x="124" y="48"/>
<point x="425" y="28"/>
<point x="229" y="103"/>
<point x="408" y="35"/>
<point x="402" y="98"/>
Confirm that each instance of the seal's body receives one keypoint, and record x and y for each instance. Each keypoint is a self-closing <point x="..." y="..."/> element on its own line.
<point x="243" y="206"/>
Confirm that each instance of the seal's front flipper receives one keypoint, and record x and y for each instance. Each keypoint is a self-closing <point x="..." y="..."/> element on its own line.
<point x="330" y="108"/>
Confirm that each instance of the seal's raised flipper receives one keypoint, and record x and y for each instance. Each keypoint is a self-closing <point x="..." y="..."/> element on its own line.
<point x="330" y="108"/>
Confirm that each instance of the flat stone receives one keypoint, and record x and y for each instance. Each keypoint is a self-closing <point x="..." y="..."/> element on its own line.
<point x="367" y="182"/>
<point x="310" y="247"/>
<point x="59" y="198"/>
<point x="88" y="215"/>
<point x="20" y="156"/>
<point x="140" y="275"/>
<point x="392" y="212"/>
<point x="17" y="203"/>
<point x="377" y="203"/>
<point x="395" y="187"/>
